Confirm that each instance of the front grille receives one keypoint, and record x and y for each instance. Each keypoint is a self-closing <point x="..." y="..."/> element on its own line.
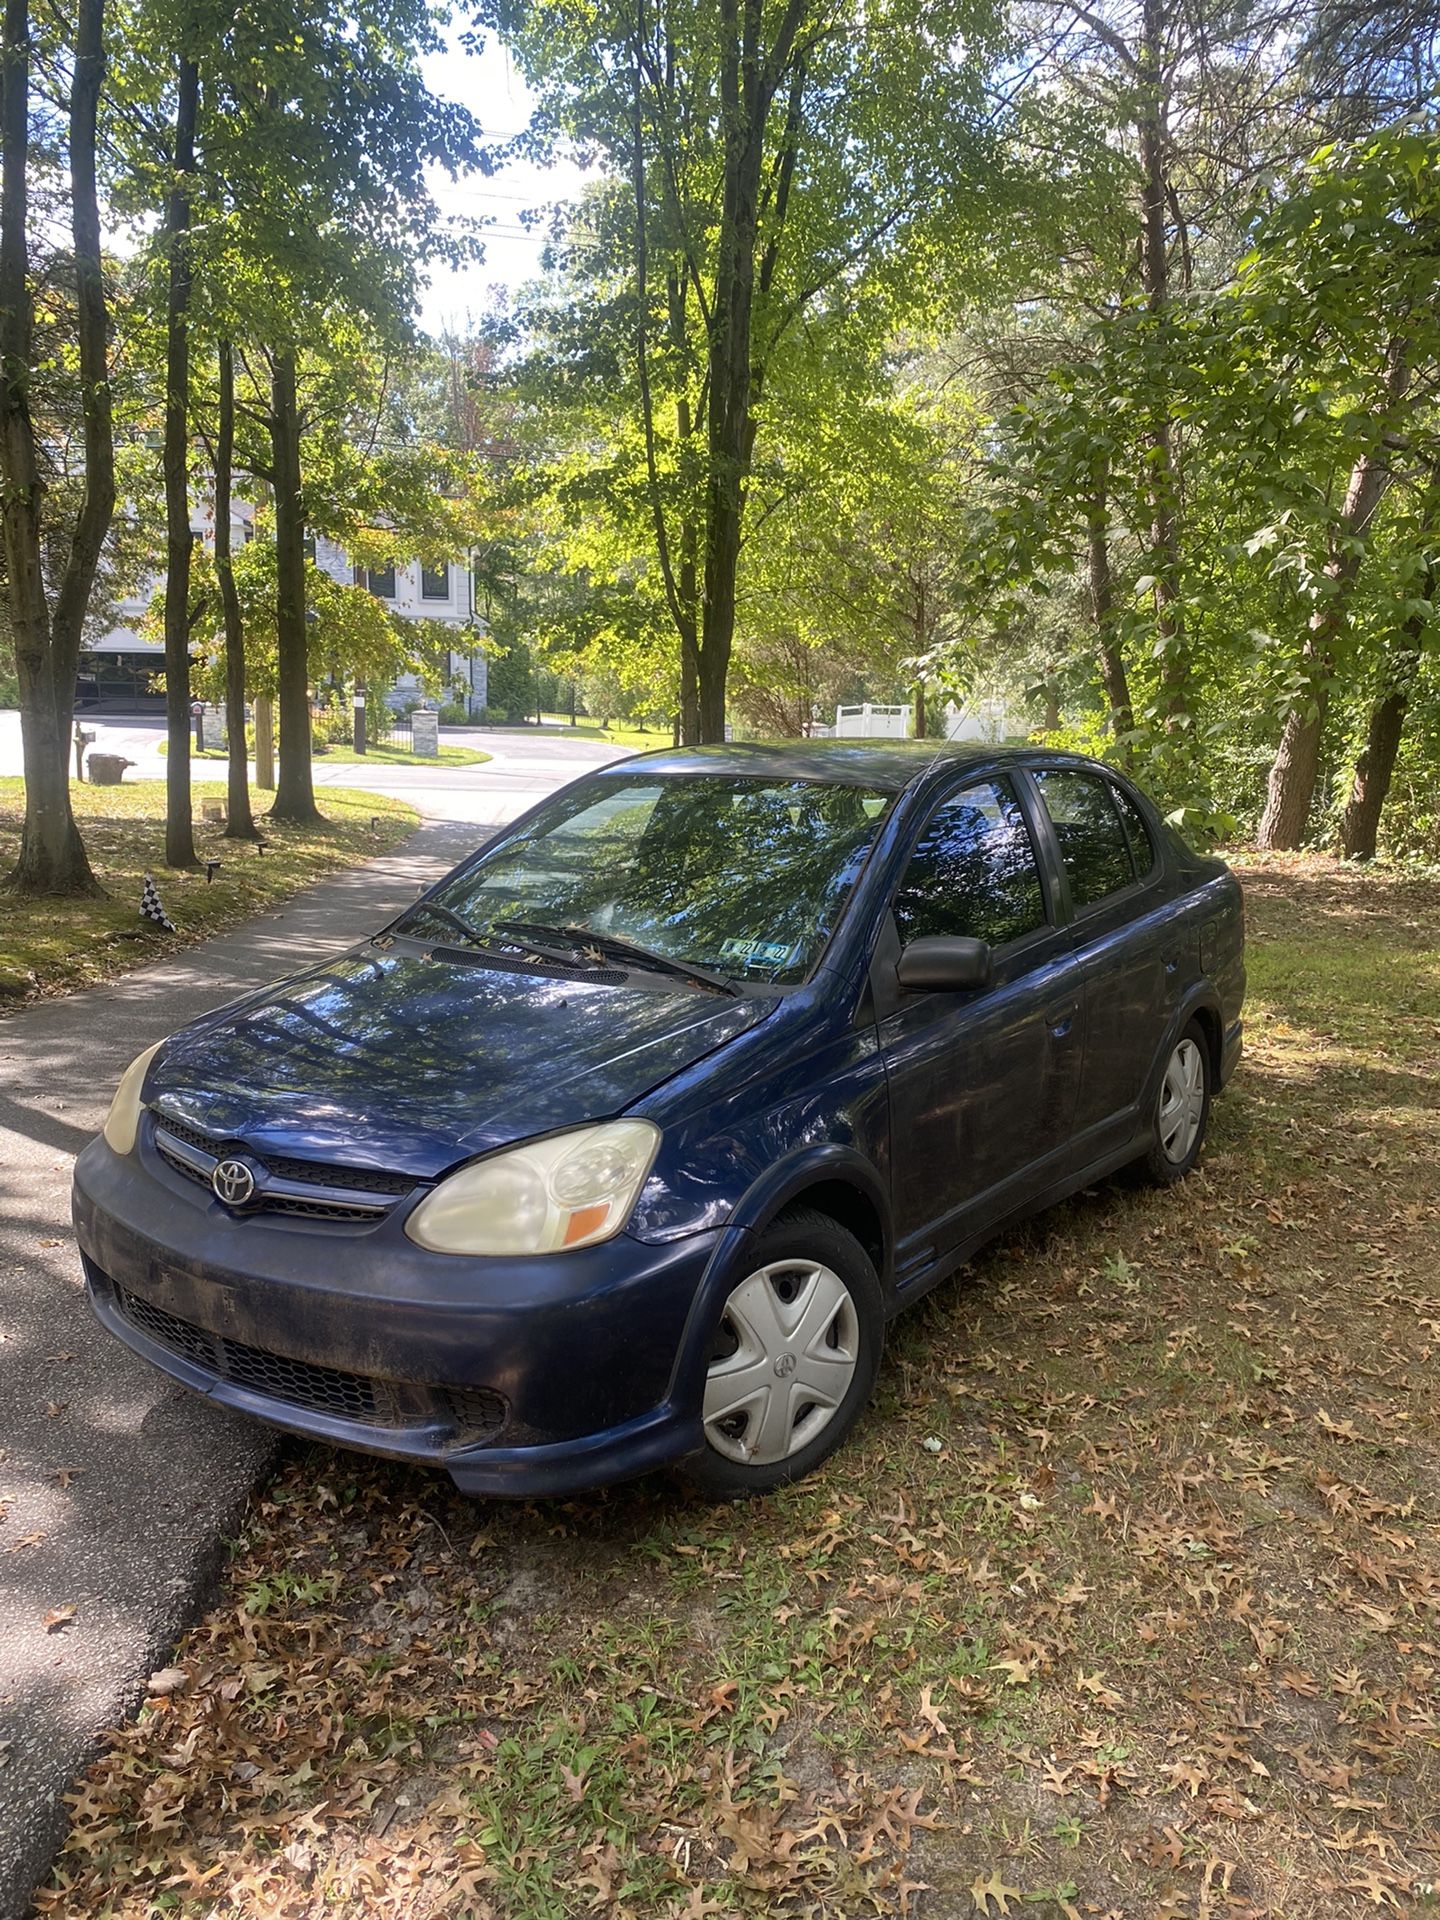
<point x="181" y="1165"/>
<point x="349" y="1396"/>
<point x="191" y="1343"/>
<point x="182" y="1146"/>
<point x="320" y="1210"/>
<point x="477" y="1415"/>
<point x="320" y="1174"/>
<point x="192" y="1137"/>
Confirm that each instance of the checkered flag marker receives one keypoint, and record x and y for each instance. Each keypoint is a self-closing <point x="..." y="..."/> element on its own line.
<point x="151" y="909"/>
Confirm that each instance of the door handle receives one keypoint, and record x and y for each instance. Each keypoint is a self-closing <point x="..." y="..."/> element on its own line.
<point x="1060" y="1020"/>
<point x="1172" y="963"/>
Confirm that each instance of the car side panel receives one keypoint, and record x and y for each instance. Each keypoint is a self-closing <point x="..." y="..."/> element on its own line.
<point x="794" y="1094"/>
<point x="982" y="1091"/>
<point x="1220" y="918"/>
<point x="1137" y="957"/>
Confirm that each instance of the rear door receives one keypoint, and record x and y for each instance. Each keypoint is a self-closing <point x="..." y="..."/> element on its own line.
<point x="982" y="1085"/>
<point x="1132" y="942"/>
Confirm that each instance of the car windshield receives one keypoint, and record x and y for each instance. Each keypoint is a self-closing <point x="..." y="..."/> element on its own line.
<point x="743" y="876"/>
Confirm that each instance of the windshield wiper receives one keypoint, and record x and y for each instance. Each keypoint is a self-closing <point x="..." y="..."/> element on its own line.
<point x="590" y="943"/>
<point x="457" y="920"/>
<point x="482" y="938"/>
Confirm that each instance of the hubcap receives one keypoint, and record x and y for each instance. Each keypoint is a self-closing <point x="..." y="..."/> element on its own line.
<point x="787" y="1350"/>
<point x="1182" y="1102"/>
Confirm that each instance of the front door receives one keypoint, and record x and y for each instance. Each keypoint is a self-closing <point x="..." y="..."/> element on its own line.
<point x="982" y="1085"/>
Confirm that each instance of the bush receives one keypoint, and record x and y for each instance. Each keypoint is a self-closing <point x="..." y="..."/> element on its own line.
<point x="453" y="714"/>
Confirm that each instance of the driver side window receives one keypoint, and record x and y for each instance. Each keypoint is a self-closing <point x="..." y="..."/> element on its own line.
<point x="973" y="871"/>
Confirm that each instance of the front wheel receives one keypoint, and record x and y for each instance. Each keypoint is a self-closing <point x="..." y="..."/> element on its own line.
<point x="793" y="1358"/>
<point x="1182" y="1110"/>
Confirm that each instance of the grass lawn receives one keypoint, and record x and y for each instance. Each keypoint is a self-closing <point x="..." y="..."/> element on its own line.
<point x="643" y="740"/>
<point x="51" y="946"/>
<point x="374" y="756"/>
<point x="1123" y="1601"/>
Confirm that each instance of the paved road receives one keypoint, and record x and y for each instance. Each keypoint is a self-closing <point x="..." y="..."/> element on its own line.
<point x="523" y="769"/>
<point x="116" y="1487"/>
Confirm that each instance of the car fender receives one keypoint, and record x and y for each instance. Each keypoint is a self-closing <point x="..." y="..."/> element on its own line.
<point x="1201" y="997"/>
<point x="770" y="1194"/>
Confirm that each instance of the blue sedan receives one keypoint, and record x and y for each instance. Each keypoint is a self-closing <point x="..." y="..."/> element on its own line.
<point x="622" y="1144"/>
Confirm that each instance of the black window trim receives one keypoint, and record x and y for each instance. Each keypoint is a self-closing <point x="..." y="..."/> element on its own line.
<point x="1151" y="872"/>
<point x="1006" y="777"/>
<point x="446" y="592"/>
<point x="1093" y="908"/>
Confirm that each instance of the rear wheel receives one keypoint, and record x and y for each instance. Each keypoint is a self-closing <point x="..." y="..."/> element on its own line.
<point x="793" y="1357"/>
<point x="1182" y="1109"/>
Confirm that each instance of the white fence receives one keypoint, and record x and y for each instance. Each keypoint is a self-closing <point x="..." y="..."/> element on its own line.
<point x="873" y="723"/>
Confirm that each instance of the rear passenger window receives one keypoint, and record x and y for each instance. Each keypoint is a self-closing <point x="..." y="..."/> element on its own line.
<point x="1142" y="847"/>
<point x="973" y="871"/>
<point x="1090" y="834"/>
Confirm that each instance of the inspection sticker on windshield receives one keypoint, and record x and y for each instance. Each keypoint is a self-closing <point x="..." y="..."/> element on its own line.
<point x="759" y="953"/>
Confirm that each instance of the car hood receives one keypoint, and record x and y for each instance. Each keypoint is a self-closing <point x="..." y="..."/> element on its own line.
<point x="409" y="1064"/>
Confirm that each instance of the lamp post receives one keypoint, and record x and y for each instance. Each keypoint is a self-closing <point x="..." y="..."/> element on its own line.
<point x="359" y="716"/>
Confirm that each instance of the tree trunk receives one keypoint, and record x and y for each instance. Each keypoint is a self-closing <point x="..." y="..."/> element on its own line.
<point x="690" y="651"/>
<point x="1360" y="821"/>
<point x="1113" y="676"/>
<point x="1162" y="483"/>
<point x="47" y="641"/>
<point x="240" y="821"/>
<point x="1370" y="786"/>
<point x="1297" y="762"/>
<point x="179" y="540"/>
<point x="747" y="91"/>
<point x="1291" y="786"/>
<point x="680" y="581"/>
<point x="294" y="792"/>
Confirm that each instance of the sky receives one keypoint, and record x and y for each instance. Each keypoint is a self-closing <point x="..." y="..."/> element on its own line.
<point x="490" y="85"/>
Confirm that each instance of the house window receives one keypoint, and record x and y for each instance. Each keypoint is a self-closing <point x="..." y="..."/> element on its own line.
<point x="435" y="582"/>
<point x="381" y="582"/>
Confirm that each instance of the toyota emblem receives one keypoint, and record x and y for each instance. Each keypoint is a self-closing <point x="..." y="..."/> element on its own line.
<point x="233" y="1182"/>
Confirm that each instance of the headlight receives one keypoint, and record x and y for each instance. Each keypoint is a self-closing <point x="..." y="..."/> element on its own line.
<point x="569" y="1191"/>
<point x="122" y="1122"/>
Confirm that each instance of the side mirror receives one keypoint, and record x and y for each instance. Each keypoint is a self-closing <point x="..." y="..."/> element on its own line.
<point x="948" y="963"/>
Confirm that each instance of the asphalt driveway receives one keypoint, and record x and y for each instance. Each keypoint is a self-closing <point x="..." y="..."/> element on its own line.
<point x="117" y="1487"/>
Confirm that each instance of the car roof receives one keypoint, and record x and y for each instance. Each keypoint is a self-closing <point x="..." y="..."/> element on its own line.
<point x="887" y="765"/>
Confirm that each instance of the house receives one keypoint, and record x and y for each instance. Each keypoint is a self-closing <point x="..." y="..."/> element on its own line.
<point x="116" y="669"/>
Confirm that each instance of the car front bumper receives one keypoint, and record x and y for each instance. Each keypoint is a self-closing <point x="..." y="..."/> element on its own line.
<point x="518" y="1376"/>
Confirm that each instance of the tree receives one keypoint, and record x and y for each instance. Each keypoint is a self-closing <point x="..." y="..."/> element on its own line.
<point x="179" y="540"/>
<point x="1333" y="348"/>
<point x="47" y="624"/>
<point x="239" y="820"/>
<point x="315" y="214"/>
<point x="776" y="165"/>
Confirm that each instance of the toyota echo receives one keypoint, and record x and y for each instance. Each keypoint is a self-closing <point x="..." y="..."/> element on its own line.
<point x="621" y="1145"/>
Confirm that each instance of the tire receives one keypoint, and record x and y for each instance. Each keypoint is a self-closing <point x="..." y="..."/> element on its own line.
<point x="810" y="1299"/>
<point x="1182" y="1110"/>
